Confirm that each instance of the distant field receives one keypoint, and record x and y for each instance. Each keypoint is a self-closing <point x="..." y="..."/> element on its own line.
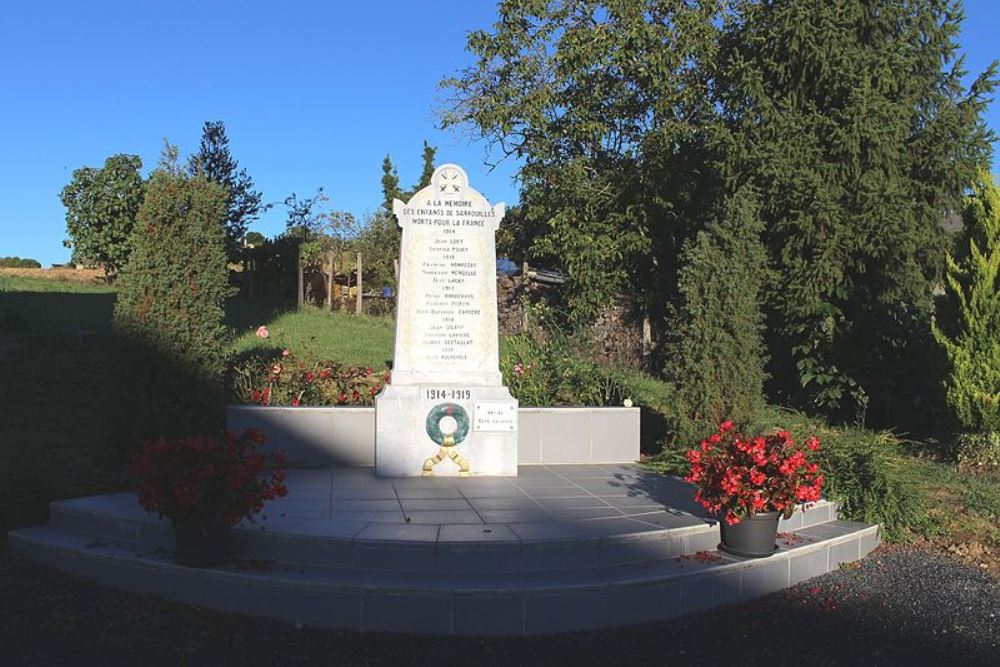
<point x="87" y="276"/>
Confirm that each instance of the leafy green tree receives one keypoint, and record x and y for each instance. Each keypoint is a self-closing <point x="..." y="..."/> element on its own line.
<point x="969" y="329"/>
<point x="606" y="105"/>
<point x="850" y="119"/>
<point x="170" y="308"/>
<point x="378" y="241"/>
<point x="101" y="208"/>
<point x="19" y="263"/>
<point x="243" y="203"/>
<point x="716" y="360"/>
<point x="256" y="239"/>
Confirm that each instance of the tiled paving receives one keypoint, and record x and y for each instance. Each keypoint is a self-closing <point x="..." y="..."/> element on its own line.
<point x="557" y="548"/>
<point x="562" y="500"/>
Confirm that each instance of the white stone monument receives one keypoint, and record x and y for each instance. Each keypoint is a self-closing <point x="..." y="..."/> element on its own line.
<point x="446" y="411"/>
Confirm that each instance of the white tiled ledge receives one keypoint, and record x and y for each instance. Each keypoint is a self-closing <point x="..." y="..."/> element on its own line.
<point x="345" y="436"/>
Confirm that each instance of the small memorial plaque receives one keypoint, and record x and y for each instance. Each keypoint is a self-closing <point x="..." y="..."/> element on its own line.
<point x="495" y="417"/>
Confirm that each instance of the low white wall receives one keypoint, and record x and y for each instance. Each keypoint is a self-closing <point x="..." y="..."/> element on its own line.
<point x="345" y="436"/>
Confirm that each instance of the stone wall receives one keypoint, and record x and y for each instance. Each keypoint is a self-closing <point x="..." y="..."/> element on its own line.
<point x="614" y="337"/>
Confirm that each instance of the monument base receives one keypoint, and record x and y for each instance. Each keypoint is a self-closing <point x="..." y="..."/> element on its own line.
<point x="413" y="440"/>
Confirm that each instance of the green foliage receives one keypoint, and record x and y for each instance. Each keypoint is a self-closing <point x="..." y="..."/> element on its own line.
<point x="969" y="331"/>
<point x="717" y="355"/>
<point x="390" y="184"/>
<point x="170" y="309"/>
<point x="635" y="121"/>
<point x="604" y="102"/>
<point x="379" y="238"/>
<point x="857" y="131"/>
<point x="243" y="204"/>
<point x="19" y="263"/>
<point x="378" y="242"/>
<point x="543" y="367"/>
<point x="979" y="450"/>
<point x="101" y="208"/>
<point x="867" y="472"/>
<point x="305" y="219"/>
<point x="427" y="171"/>
<point x="255" y="239"/>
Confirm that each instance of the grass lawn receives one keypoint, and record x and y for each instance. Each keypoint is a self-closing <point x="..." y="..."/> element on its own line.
<point x="314" y="333"/>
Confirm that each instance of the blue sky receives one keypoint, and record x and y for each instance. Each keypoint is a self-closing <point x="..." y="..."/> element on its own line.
<point x="312" y="93"/>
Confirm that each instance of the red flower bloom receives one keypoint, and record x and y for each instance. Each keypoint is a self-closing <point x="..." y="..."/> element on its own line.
<point x="739" y="476"/>
<point x="218" y="480"/>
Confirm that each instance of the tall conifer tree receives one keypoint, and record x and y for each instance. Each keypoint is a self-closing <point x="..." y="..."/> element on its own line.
<point x="969" y="326"/>
<point x="243" y="203"/>
<point x="851" y="120"/>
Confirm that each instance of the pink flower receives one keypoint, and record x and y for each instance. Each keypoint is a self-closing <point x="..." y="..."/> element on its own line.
<point x="519" y="368"/>
<point x="276" y="369"/>
<point x="262" y="332"/>
<point x="284" y="353"/>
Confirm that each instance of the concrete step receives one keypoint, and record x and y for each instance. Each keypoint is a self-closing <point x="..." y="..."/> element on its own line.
<point x="302" y="538"/>
<point x="445" y="601"/>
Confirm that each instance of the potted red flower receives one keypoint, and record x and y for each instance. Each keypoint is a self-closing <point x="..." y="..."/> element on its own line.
<point x="206" y="485"/>
<point x="750" y="482"/>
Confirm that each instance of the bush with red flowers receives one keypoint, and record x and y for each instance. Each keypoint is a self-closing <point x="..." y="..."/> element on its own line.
<point x="738" y="476"/>
<point x="219" y="481"/>
<point x="285" y="379"/>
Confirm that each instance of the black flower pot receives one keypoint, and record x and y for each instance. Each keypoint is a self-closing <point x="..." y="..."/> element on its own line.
<point x="753" y="537"/>
<point x="200" y="543"/>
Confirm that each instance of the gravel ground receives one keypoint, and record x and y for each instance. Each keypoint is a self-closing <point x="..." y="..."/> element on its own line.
<point x="899" y="606"/>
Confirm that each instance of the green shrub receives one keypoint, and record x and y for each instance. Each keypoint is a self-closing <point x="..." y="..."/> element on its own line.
<point x="170" y="310"/>
<point x="715" y="358"/>
<point x="542" y="367"/>
<point x="979" y="450"/>
<point x="866" y="471"/>
<point x="968" y="327"/>
<point x="280" y="377"/>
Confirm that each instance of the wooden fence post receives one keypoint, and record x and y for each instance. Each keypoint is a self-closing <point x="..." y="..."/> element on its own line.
<point x="359" y="303"/>
<point x="329" y="280"/>
<point x="301" y="280"/>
